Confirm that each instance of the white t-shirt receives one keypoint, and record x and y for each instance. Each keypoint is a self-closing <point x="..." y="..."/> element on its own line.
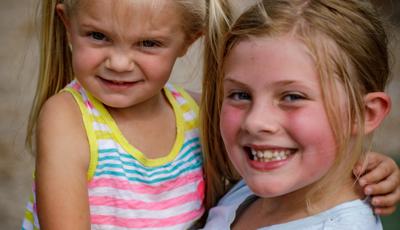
<point x="352" y="215"/>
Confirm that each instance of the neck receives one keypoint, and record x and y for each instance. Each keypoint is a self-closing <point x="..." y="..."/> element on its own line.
<point x="141" y="111"/>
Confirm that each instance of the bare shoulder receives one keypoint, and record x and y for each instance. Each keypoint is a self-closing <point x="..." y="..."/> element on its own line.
<point x="62" y="104"/>
<point x="60" y="128"/>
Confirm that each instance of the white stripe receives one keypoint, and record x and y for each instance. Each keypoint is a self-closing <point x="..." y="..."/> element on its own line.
<point x="192" y="133"/>
<point x="94" y="112"/>
<point x="84" y="95"/>
<point x="29" y="207"/>
<point x="189" y="116"/>
<point x="108" y="144"/>
<point x="100" y="127"/>
<point x="132" y="195"/>
<point x="26" y="224"/>
<point x="140" y="213"/>
<point x="181" y="100"/>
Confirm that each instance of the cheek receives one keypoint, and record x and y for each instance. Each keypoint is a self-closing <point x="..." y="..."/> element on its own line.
<point x="163" y="63"/>
<point x="85" y="59"/>
<point x="230" y="121"/>
<point x="313" y="132"/>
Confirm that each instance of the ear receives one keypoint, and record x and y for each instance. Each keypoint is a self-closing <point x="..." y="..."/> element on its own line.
<point x="377" y="106"/>
<point x="188" y="42"/>
<point x="62" y="13"/>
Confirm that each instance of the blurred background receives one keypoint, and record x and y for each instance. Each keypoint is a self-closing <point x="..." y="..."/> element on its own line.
<point x="18" y="70"/>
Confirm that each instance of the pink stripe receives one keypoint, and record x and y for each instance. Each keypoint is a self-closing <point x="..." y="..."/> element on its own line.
<point x="76" y="86"/>
<point x="138" y="204"/>
<point x="146" y="222"/>
<point x="144" y="188"/>
<point x="89" y="104"/>
<point x="176" y="94"/>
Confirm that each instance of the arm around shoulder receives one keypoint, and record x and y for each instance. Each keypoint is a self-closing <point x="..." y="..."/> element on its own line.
<point x="61" y="166"/>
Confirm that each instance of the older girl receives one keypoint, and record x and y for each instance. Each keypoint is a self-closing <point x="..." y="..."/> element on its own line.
<point x="295" y="88"/>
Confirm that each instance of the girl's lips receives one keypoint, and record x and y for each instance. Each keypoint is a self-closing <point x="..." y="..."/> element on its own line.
<point x="118" y="84"/>
<point x="268" y="166"/>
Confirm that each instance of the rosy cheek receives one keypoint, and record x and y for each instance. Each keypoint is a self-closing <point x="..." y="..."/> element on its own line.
<point x="312" y="130"/>
<point x="230" y="120"/>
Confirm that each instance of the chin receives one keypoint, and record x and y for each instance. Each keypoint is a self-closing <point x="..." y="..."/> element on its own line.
<point x="266" y="189"/>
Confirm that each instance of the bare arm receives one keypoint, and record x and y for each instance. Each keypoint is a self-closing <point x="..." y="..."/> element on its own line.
<point x="61" y="166"/>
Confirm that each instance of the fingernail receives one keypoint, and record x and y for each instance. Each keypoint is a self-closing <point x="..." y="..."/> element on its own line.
<point x="368" y="191"/>
<point x="362" y="182"/>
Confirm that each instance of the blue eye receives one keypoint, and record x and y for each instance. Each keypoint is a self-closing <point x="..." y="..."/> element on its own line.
<point x="149" y="43"/>
<point x="98" y="36"/>
<point x="237" y="96"/>
<point x="291" y="97"/>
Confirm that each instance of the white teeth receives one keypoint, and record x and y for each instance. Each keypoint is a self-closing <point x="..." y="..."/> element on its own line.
<point x="270" y="155"/>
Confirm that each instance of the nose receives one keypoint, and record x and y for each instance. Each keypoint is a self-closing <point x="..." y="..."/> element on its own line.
<point x="261" y="119"/>
<point x="120" y="61"/>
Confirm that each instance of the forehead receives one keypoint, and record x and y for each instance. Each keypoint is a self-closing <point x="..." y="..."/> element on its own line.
<point x="279" y="56"/>
<point x="127" y="5"/>
<point x="128" y="13"/>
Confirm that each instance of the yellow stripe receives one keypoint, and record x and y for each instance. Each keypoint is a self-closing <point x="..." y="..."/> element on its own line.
<point x="88" y="122"/>
<point x="29" y="216"/>
<point x="192" y="103"/>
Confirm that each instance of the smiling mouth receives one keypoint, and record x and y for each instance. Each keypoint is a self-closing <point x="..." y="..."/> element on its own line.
<point x="269" y="155"/>
<point x="119" y="83"/>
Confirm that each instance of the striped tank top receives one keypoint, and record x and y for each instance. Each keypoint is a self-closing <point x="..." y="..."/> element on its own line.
<point x="126" y="189"/>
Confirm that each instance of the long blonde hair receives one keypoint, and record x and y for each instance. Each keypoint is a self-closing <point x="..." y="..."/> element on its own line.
<point x="55" y="70"/>
<point x="348" y="44"/>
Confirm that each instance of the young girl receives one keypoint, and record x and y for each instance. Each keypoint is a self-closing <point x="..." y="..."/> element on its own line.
<point x="117" y="148"/>
<point x="295" y="87"/>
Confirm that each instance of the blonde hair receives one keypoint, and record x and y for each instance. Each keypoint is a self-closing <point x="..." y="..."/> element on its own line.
<point x="55" y="70"/>
<point x="348" y="45"/>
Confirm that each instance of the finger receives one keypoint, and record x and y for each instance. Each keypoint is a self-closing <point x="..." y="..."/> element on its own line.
<point x="385" y="211"/>
<point x="381" y="172"/>
<point x="387" y="200"/>
<point x="388" y="185"/>
<point x="371" y="161"/>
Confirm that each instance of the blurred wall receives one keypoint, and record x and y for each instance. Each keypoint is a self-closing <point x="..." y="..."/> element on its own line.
<point x="18" y="60"/>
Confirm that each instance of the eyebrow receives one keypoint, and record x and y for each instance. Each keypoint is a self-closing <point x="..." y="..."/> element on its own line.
<point x="283" y="83"/>
<point x="233" y="81"/>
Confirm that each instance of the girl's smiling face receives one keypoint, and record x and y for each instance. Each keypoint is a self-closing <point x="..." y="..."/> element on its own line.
<point x="273" y="121"/>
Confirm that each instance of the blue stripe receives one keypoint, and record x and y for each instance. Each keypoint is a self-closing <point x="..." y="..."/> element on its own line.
<point x="122" y="155"/>
<point x="130" y="161"/>
<point x="110" y="166"/>
<point x="196" y="149"/>
<point x="194" y="167"/>
<point x="187" y="142"/>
